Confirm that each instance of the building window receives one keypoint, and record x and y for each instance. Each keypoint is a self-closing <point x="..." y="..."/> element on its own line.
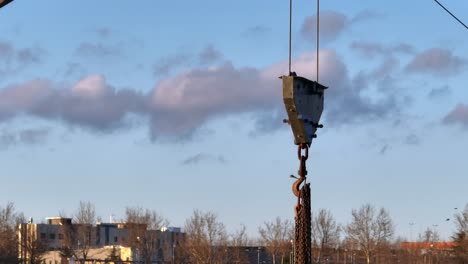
<point x="43" y="236"/>
<point x="52" y="236"/>
<point x="116" y="239"/>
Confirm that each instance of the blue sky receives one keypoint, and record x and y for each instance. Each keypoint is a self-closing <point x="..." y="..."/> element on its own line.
<point x="176" y="105"/>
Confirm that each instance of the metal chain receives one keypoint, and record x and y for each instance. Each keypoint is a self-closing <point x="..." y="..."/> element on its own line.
<point x="302" y="234"/>
<point x="302" y="249"/>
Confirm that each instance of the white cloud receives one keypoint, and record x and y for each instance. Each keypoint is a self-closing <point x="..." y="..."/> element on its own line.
<point x="374" y="49"/>
<point x="436" y="61"/>
<point x="332" y="24"/>
<point x="93" y="86"/>
<point x="181" y="104"/>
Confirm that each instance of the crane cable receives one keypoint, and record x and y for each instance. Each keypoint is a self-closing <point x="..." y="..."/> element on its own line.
<point x="290" y="33"/>
<point x="456" y="18"/>
<point x="318" y="36"/>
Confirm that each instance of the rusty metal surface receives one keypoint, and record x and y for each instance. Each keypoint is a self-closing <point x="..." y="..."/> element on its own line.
<point x="4" y="2"/>
<point x="303" y="100"/>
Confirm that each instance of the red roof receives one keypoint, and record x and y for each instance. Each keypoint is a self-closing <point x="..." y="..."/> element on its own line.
<point x="427" y="245"/>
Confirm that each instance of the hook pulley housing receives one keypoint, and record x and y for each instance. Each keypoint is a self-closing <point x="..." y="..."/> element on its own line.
<point x="303" y="100"/>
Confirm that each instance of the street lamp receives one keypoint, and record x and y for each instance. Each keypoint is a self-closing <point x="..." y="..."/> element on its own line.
<point x="4" y="2"/>
<point x="173" y="252"/>
<point x="292" y="252"/>
<point x="258" y="255"/>
<point x="411" y="224"/>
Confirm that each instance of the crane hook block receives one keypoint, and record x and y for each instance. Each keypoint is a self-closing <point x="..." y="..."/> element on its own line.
<point x="303" y="100"/>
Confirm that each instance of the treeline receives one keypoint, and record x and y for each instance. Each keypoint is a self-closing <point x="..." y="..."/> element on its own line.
<point x="368" y="238"/>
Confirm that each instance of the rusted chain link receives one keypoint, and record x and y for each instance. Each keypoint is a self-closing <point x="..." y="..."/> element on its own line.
<point x="299" y="151"/>
<point x="302" y="158"/>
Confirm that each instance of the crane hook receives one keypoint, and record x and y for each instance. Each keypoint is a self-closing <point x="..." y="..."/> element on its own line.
<point x="296" y="187"/>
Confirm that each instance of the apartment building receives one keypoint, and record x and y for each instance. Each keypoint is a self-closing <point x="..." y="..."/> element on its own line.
<point x="60" y="233"/>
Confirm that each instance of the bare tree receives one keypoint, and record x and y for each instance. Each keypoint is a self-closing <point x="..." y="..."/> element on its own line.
<point x="68" y="241"/>
<point x="325" y="234"/>
<point x="9" y="219"/>
<point x="277" y="236"/>
<point x="32" y="248"/>
<point x="114" y="256"/>
<point x="429" y="235"/>
<point x="461" y="236"/>
<point x="461" y="220"/>
<point x="239" y="240"/>
<point x="86" y="213"/>
<point x="206" y="238"/>
<point x="152" y="219"/>
<point x="82" y="234"/>
<point x="144" y="226"/>
<point x="370" y="229"/>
